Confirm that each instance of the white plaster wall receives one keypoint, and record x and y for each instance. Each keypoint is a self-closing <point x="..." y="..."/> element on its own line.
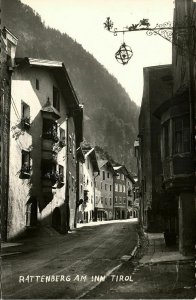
<point x="23" y="88"/>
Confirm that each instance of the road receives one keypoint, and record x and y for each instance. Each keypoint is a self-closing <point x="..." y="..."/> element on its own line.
<point x="74" y="260"/>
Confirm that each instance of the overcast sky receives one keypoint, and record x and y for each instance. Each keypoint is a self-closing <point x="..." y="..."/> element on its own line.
<point x="83" y="21"/>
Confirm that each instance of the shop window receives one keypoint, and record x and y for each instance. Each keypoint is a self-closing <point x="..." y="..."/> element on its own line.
<point x="56" y="98"/>
<point x="25" y="115"/>
<point x="49" y="130"/>
<point x="181" y="134"/>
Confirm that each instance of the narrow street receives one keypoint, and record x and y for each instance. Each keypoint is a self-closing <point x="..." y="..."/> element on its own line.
<point x="88" y="251"/>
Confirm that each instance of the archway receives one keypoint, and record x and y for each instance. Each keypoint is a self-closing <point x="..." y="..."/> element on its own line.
<point x="56" y="219"/>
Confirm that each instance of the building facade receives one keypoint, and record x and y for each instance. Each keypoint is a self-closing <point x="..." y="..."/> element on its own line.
<point x="8" y="48"/>
<point x="104" y="191"/>
<point x="43" y="128"/>
<point x="177" y="117"/>
<point x="90" y="171"/>
<point x="157" y="88"/>
<point x="120" y="193"/>
<point x="131" y="212"/>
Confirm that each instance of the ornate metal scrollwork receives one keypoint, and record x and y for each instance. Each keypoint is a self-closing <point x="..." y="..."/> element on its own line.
<point x="165" y="30"/>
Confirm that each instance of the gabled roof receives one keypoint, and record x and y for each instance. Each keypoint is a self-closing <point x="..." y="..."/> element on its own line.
<point x="124" y="171"/>
<point x="90" y="152"/>
<point x="59" y="71"/>
<point x="80" y="155"/>
<point x="103" y="162"/>
<point x="57" y="68"/>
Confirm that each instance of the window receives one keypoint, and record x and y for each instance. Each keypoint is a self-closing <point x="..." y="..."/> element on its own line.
<point x="70" y="143"/>
<point x="37" y="84"/>
<point x="118" y="176"/>
<point x="122" y="176"/>
<point x="181" y="134"/>
<point x="102" y="200"/>
<point x="120" y="200"/>
<point x="123" y="188"/>
<point x="49" y="171"/>
<point x="103" y="175"/>
<point x="116" y="187"/>
<point x="120" y="188"/>
<point x="91" y="199"/>
<point x="73" y="148"/>
<point x="110" y="201"/>
<point x="25" y="115"/>
<point x="110" y="187"/>
<point x="124" y="200"/>
<point x="116" y="200"/>
<point x="96" y="199"/>
<point x="62" y="137"/>
<point x="108" y="175"/>
<point x="105" y="201"/>
<point x="81" y="189"/>
<point x="88" y="163"/>
<point x="106" y="187"/>
<point x="49" y="130"/>
<point x="56" y="98"/>
<point x="166" y="139"/>
<point x="101" y="185"/>
<point x="61" y="173"/>
<point x="25" y="168"/>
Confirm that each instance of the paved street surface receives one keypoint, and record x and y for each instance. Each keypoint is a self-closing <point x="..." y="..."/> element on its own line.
<point x="89" y="251"/>
<point x="161" y="273"/>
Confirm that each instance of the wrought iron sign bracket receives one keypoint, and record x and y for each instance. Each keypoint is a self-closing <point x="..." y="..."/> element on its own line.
<point x="178" y="34"/>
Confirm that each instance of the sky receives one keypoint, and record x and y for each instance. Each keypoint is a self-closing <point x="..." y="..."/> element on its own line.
<point x="83" y="21"/>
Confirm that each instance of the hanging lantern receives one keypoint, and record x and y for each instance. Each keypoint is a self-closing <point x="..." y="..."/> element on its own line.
<point x="124" y="54"/>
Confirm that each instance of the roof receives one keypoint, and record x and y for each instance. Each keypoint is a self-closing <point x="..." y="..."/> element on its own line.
<point x="103" y="162"/>
<point x="60" y="73"/>
<point x="80" y="155"/>
<point x="125" y="172"/>
<point x="89" y="151"/>
<point x="57" y="68"/>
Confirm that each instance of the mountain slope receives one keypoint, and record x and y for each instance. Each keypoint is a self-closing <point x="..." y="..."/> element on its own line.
<point x="110" y="116"/>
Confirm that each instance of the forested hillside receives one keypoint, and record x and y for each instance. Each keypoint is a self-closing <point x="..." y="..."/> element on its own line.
<point x="110" y="116"/>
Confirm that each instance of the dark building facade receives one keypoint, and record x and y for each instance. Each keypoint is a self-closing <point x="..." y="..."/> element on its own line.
<point x="157" y="88"/>
<point x="177" y="116"/>
<point x="8" y="48"/>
